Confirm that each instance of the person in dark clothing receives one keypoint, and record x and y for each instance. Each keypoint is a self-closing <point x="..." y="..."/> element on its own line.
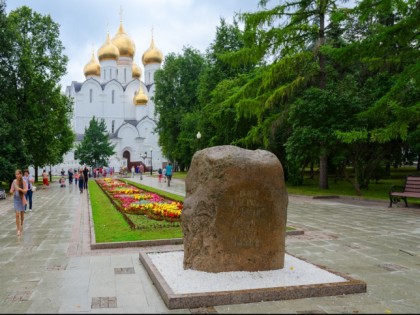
<point x="81" y="181"/>
<point x="86" y="177"/>
<point x="70" y="174"/>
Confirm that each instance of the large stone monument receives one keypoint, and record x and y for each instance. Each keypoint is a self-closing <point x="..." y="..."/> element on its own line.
<point x="235" y="210"/>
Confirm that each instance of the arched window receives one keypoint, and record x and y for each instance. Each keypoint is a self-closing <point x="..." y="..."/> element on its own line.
<point x="113" y="97"/>
<point x="110" y="74"/>
<point x="90" y="95"/>
<point x="113" y="126"/>
<point x="125" y="74"/>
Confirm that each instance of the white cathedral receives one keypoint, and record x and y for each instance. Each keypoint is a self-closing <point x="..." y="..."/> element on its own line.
<point x="113" y="91"/>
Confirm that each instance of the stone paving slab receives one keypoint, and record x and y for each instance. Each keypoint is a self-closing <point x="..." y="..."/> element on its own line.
<point x="353" y="237"/>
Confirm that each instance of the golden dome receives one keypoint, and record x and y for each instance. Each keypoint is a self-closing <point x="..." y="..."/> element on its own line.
<point x="92" y="67"/>
<point x="140" y="98"/>
<point x="108" y="51"/>
<point x="124" y="43"/>
<point x="136" y="71"/>
<point x="152" y="55"/>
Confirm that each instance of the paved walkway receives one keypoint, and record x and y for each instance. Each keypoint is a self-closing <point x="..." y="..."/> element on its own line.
<point x="51" y="268"/>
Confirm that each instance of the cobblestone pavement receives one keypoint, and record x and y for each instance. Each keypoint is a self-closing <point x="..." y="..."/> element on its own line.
<point x="51" y="268"/>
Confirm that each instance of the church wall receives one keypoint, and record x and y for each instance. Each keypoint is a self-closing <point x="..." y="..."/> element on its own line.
<point x="151" y="108"/>
<point x="112" y="106"/>
<point x="91" y="90"/>
<point x="125" y="73"/>
<point x="128" y="106"/>
<point x="108" y="70"/>
<point x="129" y="140"/>
<point x="146" y="129"/>
<point x="149" y="72"/>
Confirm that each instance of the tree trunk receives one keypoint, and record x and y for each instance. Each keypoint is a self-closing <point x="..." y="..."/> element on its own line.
<point x="36" y="173"/>
<point x="323" y="172"/>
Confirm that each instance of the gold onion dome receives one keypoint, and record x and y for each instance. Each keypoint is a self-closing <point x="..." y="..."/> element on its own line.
<point x="136" y="71"/>
<point x="140" y="98"/>
<point x="124" y="43"/>
<point x="92" y="67"/>
<point x="152" y="55"/>
<point x="108" y="51"/>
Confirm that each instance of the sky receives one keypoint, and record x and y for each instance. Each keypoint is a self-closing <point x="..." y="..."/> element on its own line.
<point x="176" y="24"/>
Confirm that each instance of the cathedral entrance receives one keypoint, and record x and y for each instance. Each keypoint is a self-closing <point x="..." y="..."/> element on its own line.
<point x="127" y="156"/>
<point x="130" y="163"/>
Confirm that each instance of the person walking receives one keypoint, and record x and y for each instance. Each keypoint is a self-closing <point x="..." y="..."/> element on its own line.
<point x="81" y="181"/>
<point x="141" y="170"/>
<point x="76" y="177"/>
<point x="19" y="189"/>
<point x="45" y="182"/>
<point x="70" y="174"/>
<point x="29" y="183"/>
<point x="164" y="173"/>
<point x="160" y="174"/>
<point x="132" y="172"/>
<point x="169" y="173"/>
<point x="85" y="178"/>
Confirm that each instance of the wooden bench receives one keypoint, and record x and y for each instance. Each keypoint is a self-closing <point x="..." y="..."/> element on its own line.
<point x="411" y="189"/>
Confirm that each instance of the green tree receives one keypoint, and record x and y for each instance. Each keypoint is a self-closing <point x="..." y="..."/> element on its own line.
<point x="95" y="148"/>
<point x="384" y="49"/>
<point x="219" y="121"/>
<point x="36" y="105"/>
<point x="285" y="40"/>
<point x="12" y="150"/>
<point x="176" y="96"/>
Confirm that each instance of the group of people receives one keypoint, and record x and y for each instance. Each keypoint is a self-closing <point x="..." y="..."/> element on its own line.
<point x="80" y="177"/>
<point x="103" y="171"/>
<point x="137" y="169"/>
<point x="165" y="173"/>
<point x="23" y="187"/>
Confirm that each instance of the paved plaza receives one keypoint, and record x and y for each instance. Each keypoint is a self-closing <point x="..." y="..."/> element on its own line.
<point x="52" y="269"/>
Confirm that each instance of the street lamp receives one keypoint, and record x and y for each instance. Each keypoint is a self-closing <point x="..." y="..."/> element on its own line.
<point x="198" y="138"/>
<point x="151" y="161"/>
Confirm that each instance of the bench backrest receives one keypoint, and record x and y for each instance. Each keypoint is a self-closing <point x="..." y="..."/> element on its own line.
<point x="412" y="183"/>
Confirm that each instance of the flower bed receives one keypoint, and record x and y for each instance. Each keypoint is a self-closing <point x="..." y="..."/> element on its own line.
<point x="134" y="201"/>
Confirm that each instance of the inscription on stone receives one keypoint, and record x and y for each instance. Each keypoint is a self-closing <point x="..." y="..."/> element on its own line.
<point x="241" y="210"/>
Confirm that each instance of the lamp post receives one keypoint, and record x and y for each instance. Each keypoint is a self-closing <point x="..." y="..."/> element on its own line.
<point x="151" y="161"/>
<point x="198" y="138"/>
